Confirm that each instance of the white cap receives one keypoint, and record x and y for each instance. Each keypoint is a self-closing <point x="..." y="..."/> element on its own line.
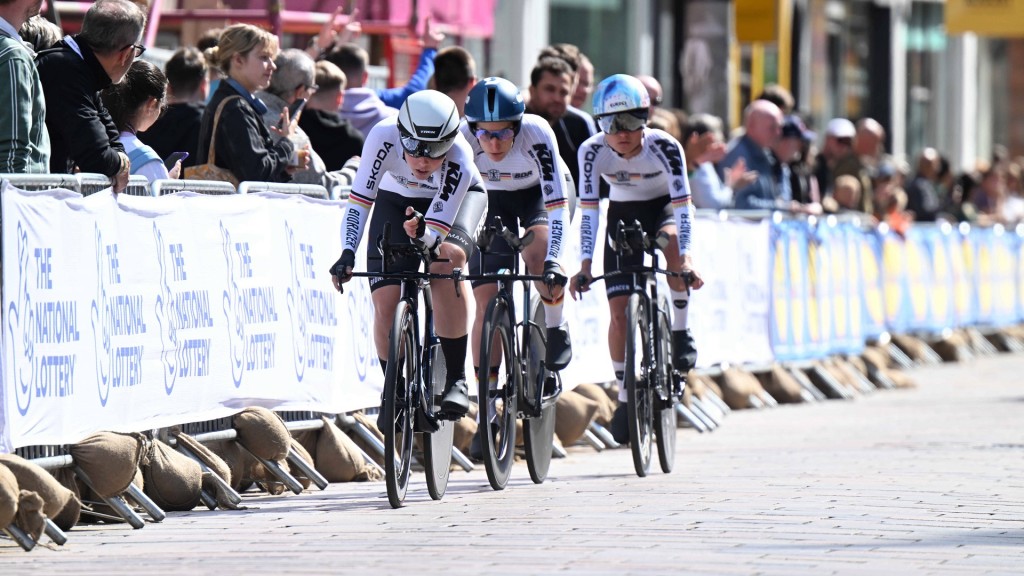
<point x="840" y="128"/>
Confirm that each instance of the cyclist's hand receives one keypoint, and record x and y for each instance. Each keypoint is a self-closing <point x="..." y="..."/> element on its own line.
<point x="415" y="227"/>
<point x="341" y="272"/>
<point x="692" y="278"/>
<point x="554" y="278"/>
<point x="580" y="284"/>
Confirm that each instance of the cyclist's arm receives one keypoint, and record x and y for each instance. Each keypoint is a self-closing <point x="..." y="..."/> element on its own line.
<point x="589" y="188"/>
<point x="457" y="174"/>
<point x="379" y="152"/>
<point x="544" y="151"/>
<point x="679" y="189"/>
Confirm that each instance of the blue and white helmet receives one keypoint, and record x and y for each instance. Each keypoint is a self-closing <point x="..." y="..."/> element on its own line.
<point x="620" y="93"/>
<point x="494" y="100"/>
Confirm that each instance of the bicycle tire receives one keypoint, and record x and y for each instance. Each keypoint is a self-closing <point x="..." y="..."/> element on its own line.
<point x="437" y="446"/>
<point x="498" y="408"/>
<point x="538" y="432"/>
<point x="399" y="404"/>
<point x="666" y="420"/>
<point x="638" y="373"/>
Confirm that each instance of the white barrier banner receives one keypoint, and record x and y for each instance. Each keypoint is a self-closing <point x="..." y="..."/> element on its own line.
<point x="119" y="314"/>
<point x="729" y="316"/>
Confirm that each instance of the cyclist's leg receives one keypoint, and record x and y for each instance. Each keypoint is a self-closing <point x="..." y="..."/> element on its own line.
<point x="498" y="257"/>
<point x="684" y="350"/>
<point x="451" y="310"/>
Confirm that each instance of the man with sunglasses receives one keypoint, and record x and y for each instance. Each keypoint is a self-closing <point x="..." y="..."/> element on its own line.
<point x="439" y="197"/>
<point x="646" y="171"/>
<point x="82" y="135"/>
<point x="528" y="185"/>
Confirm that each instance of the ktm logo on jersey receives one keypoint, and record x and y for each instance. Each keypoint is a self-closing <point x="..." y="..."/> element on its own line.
<point x="547" y="162"/>
<point x="672" y="156"/>
<point x="451" y="180"/>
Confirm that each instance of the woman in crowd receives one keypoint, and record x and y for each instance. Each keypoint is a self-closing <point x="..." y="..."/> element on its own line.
<point x="134" y="105"/>
<point x="245" y="55"/>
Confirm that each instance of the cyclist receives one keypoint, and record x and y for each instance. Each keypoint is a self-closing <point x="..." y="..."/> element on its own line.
<point x="646" y="171"/>
<point x="433" y="186"/>
<point x="518" y="158"/>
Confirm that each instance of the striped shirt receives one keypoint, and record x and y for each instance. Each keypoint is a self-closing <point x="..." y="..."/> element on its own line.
<point x="24" y="141"/>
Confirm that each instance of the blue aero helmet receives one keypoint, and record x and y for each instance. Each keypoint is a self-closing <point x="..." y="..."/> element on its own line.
<point x="495" y="100"/>
<point x="621" y="103"/>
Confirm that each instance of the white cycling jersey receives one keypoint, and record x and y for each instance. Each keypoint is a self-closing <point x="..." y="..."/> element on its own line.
<point x="658" y="170"/>
<point x="532" y="160"/>
<point x="383" y="155"/>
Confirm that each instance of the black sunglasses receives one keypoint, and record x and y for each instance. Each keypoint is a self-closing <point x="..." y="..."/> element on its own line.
<point x="139" y="49"/>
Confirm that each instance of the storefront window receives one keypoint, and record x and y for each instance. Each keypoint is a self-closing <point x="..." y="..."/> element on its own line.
<point x="926" y="52"/>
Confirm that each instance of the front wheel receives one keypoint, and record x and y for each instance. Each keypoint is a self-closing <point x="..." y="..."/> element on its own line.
<point x="665" y="403"/>
<point x="538" y="431"/>
<point x="498" y="401"/>
<point x="638" y="374"/>
<point x="400" y="380"/>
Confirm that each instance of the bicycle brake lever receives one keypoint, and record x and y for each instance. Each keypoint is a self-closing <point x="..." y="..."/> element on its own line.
<point x="456" y="277"/>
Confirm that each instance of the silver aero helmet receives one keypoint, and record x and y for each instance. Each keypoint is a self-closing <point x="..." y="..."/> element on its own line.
<point x="428" y="123"/>
<point x="621" y="103"/>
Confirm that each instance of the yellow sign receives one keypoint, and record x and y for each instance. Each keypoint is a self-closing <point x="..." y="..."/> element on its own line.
<point x="756" y="21"/>
<point x="1001" y="18"/>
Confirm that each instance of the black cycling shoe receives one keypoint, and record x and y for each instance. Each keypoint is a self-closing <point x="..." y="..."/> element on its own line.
<point x="455" y="400"/>
<point x="559" y="351"/>
<point x="684" y="355"/>
<point x="620" y="424"/>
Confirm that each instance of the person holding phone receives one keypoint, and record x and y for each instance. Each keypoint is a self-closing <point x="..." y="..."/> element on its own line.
<point x="135" y="104"/>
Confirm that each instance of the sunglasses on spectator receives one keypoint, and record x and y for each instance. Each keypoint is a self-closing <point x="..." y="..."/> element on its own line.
<point x="623" y="121"/>
<point x="139" y="49"/>
<point x="503" y="134"/>
<point x="425" y="149"/>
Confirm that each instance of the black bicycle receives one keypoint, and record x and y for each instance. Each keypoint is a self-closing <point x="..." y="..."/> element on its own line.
<point x="525" y="388"/>
<point x="414" y="378"/>
<point x="653" y="385"/>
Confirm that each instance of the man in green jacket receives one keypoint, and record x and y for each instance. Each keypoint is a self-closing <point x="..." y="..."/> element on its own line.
<point x="24" y="142"/>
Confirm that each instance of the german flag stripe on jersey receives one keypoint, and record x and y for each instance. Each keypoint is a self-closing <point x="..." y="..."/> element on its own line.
<point x="681" y="202"/>
<point x="361" y="200"/>
<point x="438" y="226"/>
<point x="589" y="203"/>
<point x="556" y="204"/>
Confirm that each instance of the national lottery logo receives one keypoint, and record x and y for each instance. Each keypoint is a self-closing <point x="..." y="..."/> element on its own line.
<point x="182" y="315"/>
<point x="311" y="310"/>
<point x="40" y="329"/>
<point x="247" y="309"/>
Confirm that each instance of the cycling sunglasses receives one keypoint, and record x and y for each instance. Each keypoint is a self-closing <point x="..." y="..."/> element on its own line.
<point x="623" y="121"/>
<point x="426" y="149"/>
<point x="503" y="134"/>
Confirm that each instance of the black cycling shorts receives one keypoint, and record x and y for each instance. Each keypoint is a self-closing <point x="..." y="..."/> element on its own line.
<point x="516" y="208"/>
<point x="390" y="207"/>
<point x="653" y="215"/>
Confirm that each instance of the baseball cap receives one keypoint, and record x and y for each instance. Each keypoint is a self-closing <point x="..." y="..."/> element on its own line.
<point x="840" y="128"/>
<point x="793" y="127"/>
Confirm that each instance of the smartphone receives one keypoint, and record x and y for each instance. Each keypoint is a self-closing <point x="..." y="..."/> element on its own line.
<point x="293" y="110"/>
<point x="174" y="157"/>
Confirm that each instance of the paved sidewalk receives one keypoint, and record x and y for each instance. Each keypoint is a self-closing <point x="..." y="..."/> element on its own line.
<point x="924" y="481"/>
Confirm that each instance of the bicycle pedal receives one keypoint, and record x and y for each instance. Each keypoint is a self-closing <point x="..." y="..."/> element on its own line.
<point x="426" y="423"/>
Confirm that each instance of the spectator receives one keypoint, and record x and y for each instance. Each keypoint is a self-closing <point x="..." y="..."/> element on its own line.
<point x="177" y="130"/>
<point x="584" y="82"/>
<point x="869" y="143"/>
<point x="206" y="41"/>
<point x="779" y="96"/>
<point x="332" y="137"/>
<point x="653" y="89"/>
<point x="40" y="32"/>
<point x="134" y="106"/>
<point x="82" y="134"/>
<point x="703" y="149"/>
<point x="797" y="187"/>
<point x="294" y="79"/>
<point x="551" y="89"/>
<point x="838" y="157"/>
<point x="24" y="142"/>
<point x="1013" y="209"/>
<point x="845" y="196"/>
<point x="455" y="75"/>
<point x="890" y="200"/>
<point x="922" y="198"/>
<point x="245" y="55"/>
<point x="762" y="124"/>
<point x="361" y="105"/>
<point x="663" y="119"/>
<point x="990" y="198"/>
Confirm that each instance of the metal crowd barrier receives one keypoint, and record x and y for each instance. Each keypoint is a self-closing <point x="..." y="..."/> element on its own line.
<point x="213" y="187"/>
<point x="311" y="190"/>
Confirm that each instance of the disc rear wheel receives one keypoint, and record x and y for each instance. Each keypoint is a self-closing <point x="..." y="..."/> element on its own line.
<point x="437" y="446"/>
<point x="538" y="431"/>
<point x="498" y="401"/>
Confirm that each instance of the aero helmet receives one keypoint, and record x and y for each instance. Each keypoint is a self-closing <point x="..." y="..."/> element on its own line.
<point x="428" y="123"/>
<point x="620" y="93"/>
<point x="494" y="100"/>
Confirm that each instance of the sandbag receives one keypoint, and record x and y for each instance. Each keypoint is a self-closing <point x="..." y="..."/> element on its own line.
<point x="712" y="386"/>
<point x="30" y="517"/>
<point x="953" y="348"/>
<point x="858" y="364"/>
<point x="338" y="459"/>
<point x="110" y="460"/>
<point x="9" y="494"/>
<point x="371" y="425"/>
<point x="172" y="480"/>
<point x="307" y="438"/>
<point x="306" y="481"/>
<point x="605" y="405"/>
<point x="263" y="433"/>
<point x="67" y="518"/>
<point x="465" y="428"/>
<point x="216" y="464"/>
<point x="783" y="386"/>
<point x="912" y="346"/>
<point x="901" y="379"/>
<point x="91" y="501"/>
<point x="238" y="461"/>
<point x="573" y="414"/>
<point x="35" y="478"/>
<point x="875" y="357"/>
<point x="737" y="387"/>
